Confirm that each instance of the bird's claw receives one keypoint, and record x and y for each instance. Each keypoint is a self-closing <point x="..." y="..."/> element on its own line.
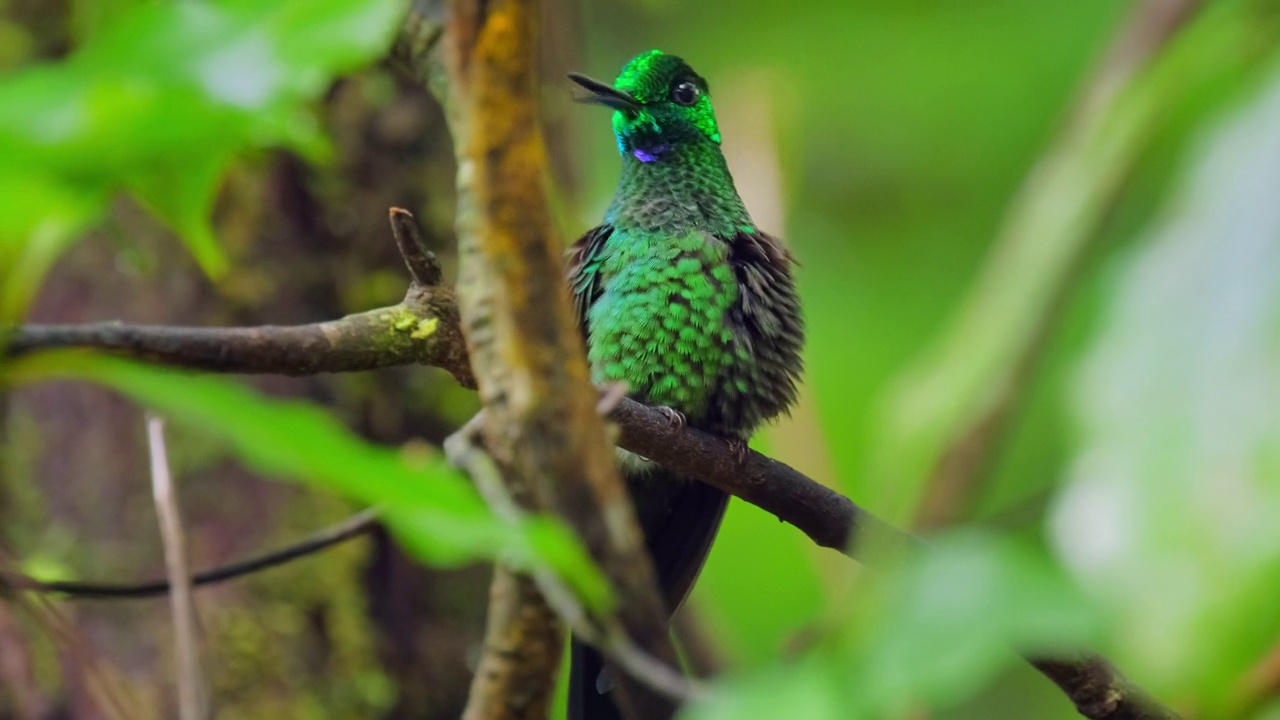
<point x="675" y="418"/>
<point x="738" y="447"/>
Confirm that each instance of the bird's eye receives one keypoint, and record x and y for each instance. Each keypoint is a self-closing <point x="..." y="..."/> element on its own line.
<point x="686" y="93"/>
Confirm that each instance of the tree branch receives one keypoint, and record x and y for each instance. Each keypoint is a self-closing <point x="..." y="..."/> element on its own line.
<point x="540" y="423"/>
<point x="830" y="519"/>
<point x="1098" y="690"/>
<point x="523" y="636"/>
<point x="422" y="329"/>
<point x="523" y="640"/>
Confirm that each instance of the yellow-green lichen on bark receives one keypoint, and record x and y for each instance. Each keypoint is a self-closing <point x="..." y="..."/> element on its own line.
<point x="402" y="321"/>
<point x="426" y="328"/>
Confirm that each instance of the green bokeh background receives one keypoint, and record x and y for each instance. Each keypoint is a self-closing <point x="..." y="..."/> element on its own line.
<point x="885" y="141"/>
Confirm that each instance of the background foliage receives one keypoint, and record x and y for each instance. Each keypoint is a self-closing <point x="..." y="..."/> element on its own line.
<point x="1129" y="505"/>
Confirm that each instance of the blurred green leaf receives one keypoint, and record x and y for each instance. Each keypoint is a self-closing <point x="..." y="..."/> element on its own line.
<point x="47" y="568"/>
<point x="39" y="219"/>
<point x="430" y="505"/>
<point x="185" y="200"/>
<point x="158" y="102"/>
<point x="1170" y="515"/>
<point x="805" y="690"/>
<point x="947" y="622"/>
<point x="930" y="633"/>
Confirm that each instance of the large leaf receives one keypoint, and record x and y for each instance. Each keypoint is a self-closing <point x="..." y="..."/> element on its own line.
<point x="945" y="625"/>
<point x="929" y="633"/>
<point x="437" y="513"/>
<point x="157" y="104"/>
<point x="1172" y="514"/>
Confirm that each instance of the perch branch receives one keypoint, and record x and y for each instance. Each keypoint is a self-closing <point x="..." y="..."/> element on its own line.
<point x="830" y="519"/>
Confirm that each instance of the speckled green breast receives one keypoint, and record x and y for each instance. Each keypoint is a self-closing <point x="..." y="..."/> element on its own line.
<point x="659" y="324"/>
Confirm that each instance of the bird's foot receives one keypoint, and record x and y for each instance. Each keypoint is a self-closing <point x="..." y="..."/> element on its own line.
<point x="675" y="418"/>
<point x="739" y="448"/>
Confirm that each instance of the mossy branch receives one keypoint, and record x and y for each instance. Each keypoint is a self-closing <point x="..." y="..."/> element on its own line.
<point x="422" y="329"/>
<point x="540" y="423"/>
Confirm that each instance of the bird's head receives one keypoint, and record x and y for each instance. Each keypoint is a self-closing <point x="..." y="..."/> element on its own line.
<point x="660" y="104"/>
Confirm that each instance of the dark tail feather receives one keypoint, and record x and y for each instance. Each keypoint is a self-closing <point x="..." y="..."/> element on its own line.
<point x="680" y="519"/>
<point x="586" y="702"/>
<point x="679" y="536"/>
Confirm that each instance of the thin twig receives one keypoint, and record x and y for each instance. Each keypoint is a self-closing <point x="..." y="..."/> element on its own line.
<point x="606" y="633"/>
<point x="110" y="697"/>
<point x="191" y="693"/>
<point x="355" y="526"/>
<point x="523" y="636"/>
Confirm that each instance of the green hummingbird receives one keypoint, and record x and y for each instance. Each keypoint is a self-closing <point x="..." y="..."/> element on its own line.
<point x="686" y="301"/>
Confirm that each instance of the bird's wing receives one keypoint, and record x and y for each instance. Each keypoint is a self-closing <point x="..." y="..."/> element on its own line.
<point x="768" y="327"/>
<point x="585" y="256"/>
<point x="767" y="299"/>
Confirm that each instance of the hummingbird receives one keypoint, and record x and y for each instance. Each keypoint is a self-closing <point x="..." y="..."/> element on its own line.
<point x="682" y="298"/>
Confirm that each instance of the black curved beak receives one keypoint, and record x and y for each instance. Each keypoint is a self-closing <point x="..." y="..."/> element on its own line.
<point x="603" y="94"/>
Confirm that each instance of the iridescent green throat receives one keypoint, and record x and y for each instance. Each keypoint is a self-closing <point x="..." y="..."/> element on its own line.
<point x="686" y="187"/>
